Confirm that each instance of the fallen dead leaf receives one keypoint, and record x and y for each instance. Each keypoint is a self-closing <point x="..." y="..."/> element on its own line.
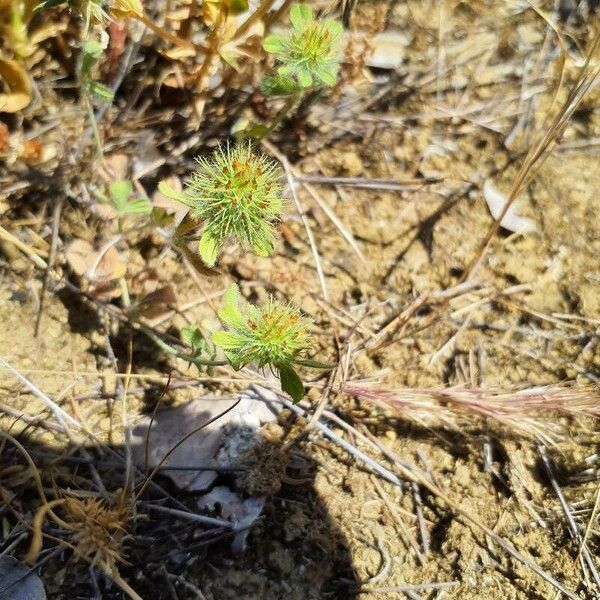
<point x="114" y="167"/>
<point x="79" y="255"/>
<point x="17" y="83"/>
<point x="143" y="283"/>
<point x="156" y="303"/>
<point x="101" y="267"/>
<point x="161" y="201"/>
<point x="103" y="211"/>
<point x="239" y="427"/>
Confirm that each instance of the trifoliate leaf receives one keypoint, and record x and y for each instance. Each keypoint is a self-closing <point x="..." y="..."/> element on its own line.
<point x="328" y="75"/>
<point x="139" y="206"/>
<point x="230" y="312"/>
<point x="279" y="86"/>
<point x="208" y="248"/>
<point x="90" y="54"/>
<point x="166" y="190"/>
<point x="273" y="44"/>
<point x="287" y="70"/>
<point x="226" y="340"/>
<point x="161" y="217"/>
<point x="192" y="336"/>
<point x="119" y="193"/>
<point x="290" y="382"/>
<point x="301" y="15"/>
<point x="304" y="78"/>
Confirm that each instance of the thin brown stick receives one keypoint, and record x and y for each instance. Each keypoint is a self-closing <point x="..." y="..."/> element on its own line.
<point x="311" y="238"/>
<point x="540" y="151"/>
<point x="51" y="258"/>
<point x="253" y="18"/>
<point x="179" y="443"/>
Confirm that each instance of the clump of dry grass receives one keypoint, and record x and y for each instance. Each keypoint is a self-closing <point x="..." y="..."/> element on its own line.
<point x="95" y="530"/>
<point x="530" y="412"/>
<point x="94" y="526"/>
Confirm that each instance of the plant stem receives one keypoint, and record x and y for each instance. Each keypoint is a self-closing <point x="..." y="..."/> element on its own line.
<point x="158" y="341"/>
<point x="170" y="350"/>
<point x="291" y="103"/>
<point x="257" y="14"/>
<point x="170" y="37"/>
<point x="124" y="292"/>
<point x="18" y="31"/>
<point x="93" y="124"/>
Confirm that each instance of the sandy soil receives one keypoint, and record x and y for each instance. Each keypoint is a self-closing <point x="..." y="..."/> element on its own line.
<point x="331" y="528"/>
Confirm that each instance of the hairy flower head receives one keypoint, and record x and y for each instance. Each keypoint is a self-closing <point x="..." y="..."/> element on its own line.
<point x="275" y="334"/>
<point x="236" y="193"/>
<point x="309" y="53"/>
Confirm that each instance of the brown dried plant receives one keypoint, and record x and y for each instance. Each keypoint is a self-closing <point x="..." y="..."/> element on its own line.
<point x="97" y="529"/>
<point x="530" y="412"/>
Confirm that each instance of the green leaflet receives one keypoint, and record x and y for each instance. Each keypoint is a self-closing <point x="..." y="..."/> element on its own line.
<point x="290" y="382"/>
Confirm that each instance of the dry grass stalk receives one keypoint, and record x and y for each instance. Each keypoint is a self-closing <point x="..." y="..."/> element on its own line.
<point x="588" y="76"/>
<point x="529" y="412"/>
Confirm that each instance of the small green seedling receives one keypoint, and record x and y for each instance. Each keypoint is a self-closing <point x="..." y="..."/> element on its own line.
<point x="274" y="334"/>
<point x="237" y="194"/>
<point x="308" y="56"/>
<point x="90" y="89"/>
<point x="121" y="192"/>
<point x="200" y="347"/>
<point x="193" y="337"/>
<point x="91" y="52"/>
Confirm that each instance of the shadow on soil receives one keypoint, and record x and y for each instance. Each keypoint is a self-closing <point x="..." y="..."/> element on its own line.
<point x="293" y="551"/>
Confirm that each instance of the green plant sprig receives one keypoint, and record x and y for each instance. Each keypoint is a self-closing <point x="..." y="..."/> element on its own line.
<point x="274" y="335"/>
<point x="308" y="55"/>
<point x="91" y="52"/>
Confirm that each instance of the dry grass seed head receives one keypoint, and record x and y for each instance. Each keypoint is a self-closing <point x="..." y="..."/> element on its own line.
<point x="97" y="529"/>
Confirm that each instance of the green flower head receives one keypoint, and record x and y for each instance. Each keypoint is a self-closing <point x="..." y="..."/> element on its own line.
<point x="309" y="53"/>
<point x="274" y="334"/>
<point x="236" y="194"/>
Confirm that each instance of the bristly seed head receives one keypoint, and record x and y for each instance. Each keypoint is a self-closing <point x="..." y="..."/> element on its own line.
<point x="236" y="193"/>
<point x="274" y="334"/>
